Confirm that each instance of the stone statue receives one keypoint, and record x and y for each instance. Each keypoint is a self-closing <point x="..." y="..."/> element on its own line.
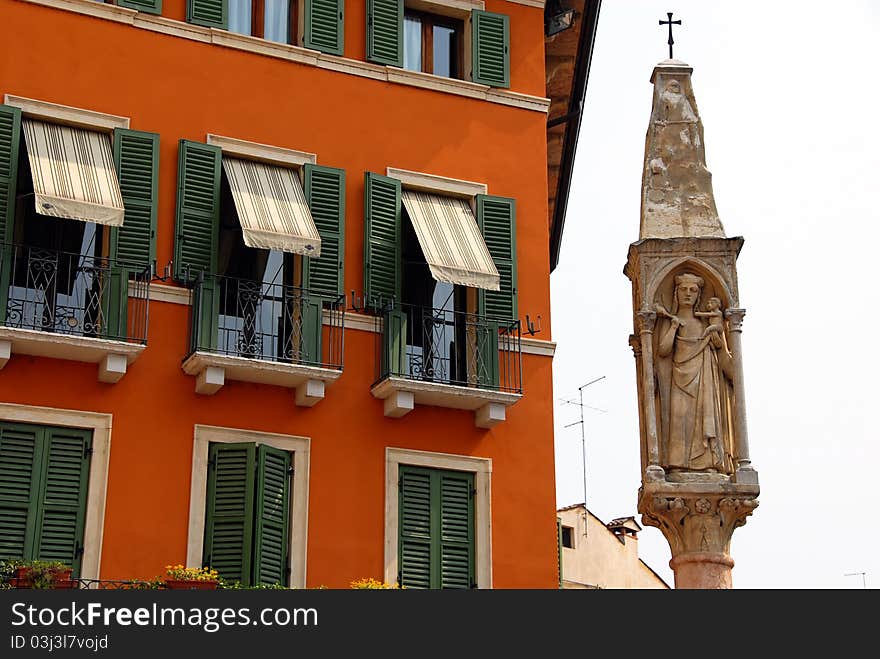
<point x="675" y="104"/>
<point x="695" y="379"/>
<point x="698" y="482"/>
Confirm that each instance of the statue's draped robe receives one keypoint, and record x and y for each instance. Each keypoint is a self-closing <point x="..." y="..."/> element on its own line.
<point x="695" y="408"/>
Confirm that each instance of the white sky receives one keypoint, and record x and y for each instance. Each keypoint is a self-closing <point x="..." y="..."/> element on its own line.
<point x="788" y="95"/>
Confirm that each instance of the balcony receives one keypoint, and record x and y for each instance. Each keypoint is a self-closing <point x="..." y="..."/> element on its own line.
<point x="77" y="307"/>
<point x="265" y="333"/>
<point x="448" y="359"/>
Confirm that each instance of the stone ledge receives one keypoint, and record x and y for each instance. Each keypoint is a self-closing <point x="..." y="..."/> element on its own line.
<point x="212" y="370"/>
<point x="719" y="486"/>
<point x="112" y="357"/>
<point x="401" y="395"/>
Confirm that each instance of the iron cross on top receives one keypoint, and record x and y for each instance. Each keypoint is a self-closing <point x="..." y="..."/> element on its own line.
<point x="670" y="23"/>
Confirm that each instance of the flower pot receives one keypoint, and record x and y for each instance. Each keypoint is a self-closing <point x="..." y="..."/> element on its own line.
<point x="60" y="579"/>
<point x="190" y="584"/>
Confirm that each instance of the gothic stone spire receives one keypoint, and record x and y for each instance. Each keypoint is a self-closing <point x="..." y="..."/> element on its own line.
<point x="677" y="198"/>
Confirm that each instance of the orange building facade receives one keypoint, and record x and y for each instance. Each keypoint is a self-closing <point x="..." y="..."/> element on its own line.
<point x="351" y="423"/>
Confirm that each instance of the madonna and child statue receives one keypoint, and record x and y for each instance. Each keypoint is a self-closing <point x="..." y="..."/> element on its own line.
<point x="694" y="370"/>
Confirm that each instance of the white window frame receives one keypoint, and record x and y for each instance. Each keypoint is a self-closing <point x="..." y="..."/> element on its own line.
<point x="96" y="500"/>
<point x="482" y="470"/>
<point x="203" y="436"/>
<point x="55" y="113"/>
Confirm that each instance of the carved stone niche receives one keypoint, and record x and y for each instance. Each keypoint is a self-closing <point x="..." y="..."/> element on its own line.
<point x="688" y="361"/>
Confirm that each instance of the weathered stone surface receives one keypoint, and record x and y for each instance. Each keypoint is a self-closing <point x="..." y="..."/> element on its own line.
<point x="698" y="484"/>
<point x="677" y="198"/>
<point x="697" y="517"/>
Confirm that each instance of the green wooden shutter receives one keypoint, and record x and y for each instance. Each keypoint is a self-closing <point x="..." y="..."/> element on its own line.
<point x="385" y="32"/>
<point x="133" y="245"/>
<point x="61" y="513"/>
<point x="271" y="527"/>
<point x="312" y="322"/>
<point x="198" y="209"/>
<point x="491" y="48"/>
<point x="229" y="510"/>
<point x="325" y="193"/>
<point x="136" y="155"/>
<point x="382" y="236"/>
<point x="20" y="472"/>
<point x="10" y="135"/>
<point x="394" y="343"/>
<point x="456" y="529"/>
<point x="414" y="535"/>
<point x="496" y="217"/>
<point x="436" y="547"/>
<point x="210" y="13"/>
<point x="324" y="25"/>
<point x="148" y="6"/>
<point x="115" y="304"/>
<point x="488" y="374"/>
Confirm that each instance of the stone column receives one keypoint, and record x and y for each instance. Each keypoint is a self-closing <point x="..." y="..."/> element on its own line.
<point x="647" y="319"/>
<point x="698" y="482"/>
<point x="744" y="470"/>
<point x="698" y="524"/>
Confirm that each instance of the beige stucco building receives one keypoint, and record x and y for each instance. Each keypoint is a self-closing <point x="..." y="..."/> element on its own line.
<point x="599" y="555"/>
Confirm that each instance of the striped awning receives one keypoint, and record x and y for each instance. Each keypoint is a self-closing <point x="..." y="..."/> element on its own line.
<point x="73" y="173"/>
<point x="451" y="240"/>
<point x="272" y="207"/>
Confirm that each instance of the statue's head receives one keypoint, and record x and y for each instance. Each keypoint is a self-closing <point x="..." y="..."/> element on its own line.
<point x="688" y="287"/>
<point x="673" y="86"/>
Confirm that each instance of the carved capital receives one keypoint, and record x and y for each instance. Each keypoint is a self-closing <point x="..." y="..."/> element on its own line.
<point x="647" y="319"/>
<point x="735" y="318"/>
<point x="696" y="522"/>
<point x="636" y="344"/>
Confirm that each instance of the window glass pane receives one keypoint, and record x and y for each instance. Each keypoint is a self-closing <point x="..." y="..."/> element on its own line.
<point x="444" y="51"/>
<point x="412" y="43"/>
<point x="240" y="16"/>
<point x="276" y="25"/>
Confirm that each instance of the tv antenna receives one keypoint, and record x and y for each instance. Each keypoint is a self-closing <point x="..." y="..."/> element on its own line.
<point x="580" y="404"/>
<point x="855" y="574"/>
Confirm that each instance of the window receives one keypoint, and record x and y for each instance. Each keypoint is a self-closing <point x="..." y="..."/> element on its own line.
<point x="568" y="537"/>
<point x="261" y="239"/>
<point x="436" y="312"/>
<point x="436" y="42"/>
<point x="44" y="482"/>
<point x="247" y="513"/>
<point x="477" y="472"/>
<point x="74" y="232"/>
<point x="432" y="44"/>
<point x="320" y="22"/>
<point x="273" y="20"/>
<point x="259" y="298"/>
<point x="445" y="277"/>
<point x="255" y="549"/>
<point x="436" y="527"/>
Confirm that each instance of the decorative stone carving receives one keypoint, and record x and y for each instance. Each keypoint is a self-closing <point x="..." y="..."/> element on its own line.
<point x="636" y="345"/>
<point x="694" y="370"/>
<point x="677" y="197"/>
<point x="698" y="484"/>
<point x="697" y="522"/>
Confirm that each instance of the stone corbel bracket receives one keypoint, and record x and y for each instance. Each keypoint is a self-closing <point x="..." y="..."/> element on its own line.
<point x="112" y="357"/>
<point x="212" y="371"/>
<point x="401" y="395"/>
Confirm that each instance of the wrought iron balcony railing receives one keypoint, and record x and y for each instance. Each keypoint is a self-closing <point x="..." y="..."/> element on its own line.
<point x="267" y="321"/>
<point x="451" y="347"/>
<point x="73" y="294"/>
